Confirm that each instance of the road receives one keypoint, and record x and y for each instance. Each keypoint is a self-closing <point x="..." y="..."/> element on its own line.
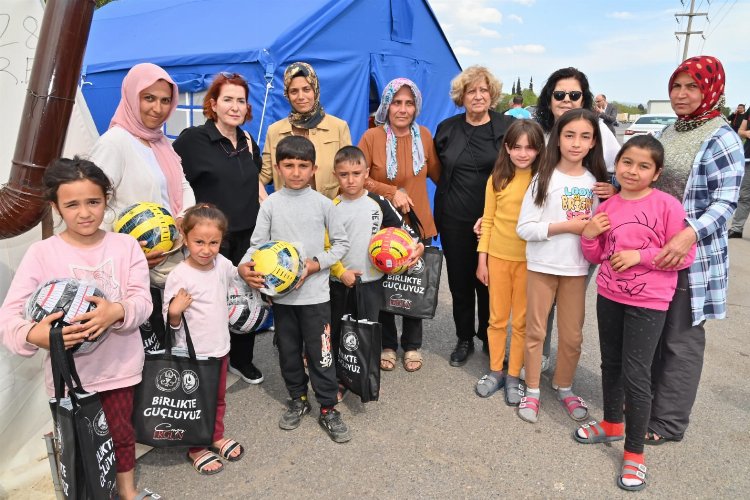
<point x="430" y="436"/>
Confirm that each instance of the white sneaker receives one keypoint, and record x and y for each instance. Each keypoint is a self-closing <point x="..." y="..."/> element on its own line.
<point x="545" y="367"/>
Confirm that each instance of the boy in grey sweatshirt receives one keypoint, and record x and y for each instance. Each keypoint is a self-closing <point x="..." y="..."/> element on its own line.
<point x="300" y="215"/>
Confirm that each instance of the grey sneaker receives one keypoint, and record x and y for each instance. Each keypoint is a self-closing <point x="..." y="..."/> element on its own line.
<point x="331" y="422"/>
<point x="295" y="410"/>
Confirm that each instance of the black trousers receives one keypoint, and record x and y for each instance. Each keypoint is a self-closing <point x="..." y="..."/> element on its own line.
<point x="677" y="367"/>
<point x="411" y="335"/>
<point x="233" y="247"/>
<point x="461" y="258"/>
<point x="628" y="337"/>
<point x="307" y="329"/>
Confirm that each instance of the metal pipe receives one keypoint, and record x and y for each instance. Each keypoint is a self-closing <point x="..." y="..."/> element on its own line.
<point x="49" y="103"/>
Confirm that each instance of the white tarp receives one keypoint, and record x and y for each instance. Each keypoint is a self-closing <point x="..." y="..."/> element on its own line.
<point x="24" y="412"/>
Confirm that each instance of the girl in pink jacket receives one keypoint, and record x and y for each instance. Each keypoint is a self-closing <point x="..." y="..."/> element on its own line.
<point x="114" y="263"/>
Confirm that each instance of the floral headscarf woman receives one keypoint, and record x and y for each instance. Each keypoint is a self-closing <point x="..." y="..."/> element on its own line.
<point x="401" y="155"/>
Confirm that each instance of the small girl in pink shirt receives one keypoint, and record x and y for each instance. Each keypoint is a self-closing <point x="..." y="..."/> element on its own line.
<point x="625" y="234"/>
<point x="197" y="288"/>
<point x="79" y="191"/>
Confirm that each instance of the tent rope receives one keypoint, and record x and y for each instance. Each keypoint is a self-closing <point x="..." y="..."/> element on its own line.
<point x="269" y="86"/>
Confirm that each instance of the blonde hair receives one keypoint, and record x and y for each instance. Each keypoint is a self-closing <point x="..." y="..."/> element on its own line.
<point x="471" y="75"/>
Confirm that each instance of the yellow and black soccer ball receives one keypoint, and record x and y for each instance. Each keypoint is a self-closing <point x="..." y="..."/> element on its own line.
<point x="281" y="264"/>
<point x="149" y="222"/>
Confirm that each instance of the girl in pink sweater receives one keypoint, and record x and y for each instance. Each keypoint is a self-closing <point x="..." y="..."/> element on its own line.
<point x="625" y="234"/>
<point x="197" y="290"/>
<point x="79" y="191"/>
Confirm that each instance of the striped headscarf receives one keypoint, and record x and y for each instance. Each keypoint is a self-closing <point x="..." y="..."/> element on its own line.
<point x="381" y="117"/>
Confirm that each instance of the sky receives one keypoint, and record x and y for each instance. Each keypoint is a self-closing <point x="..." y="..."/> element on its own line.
<point x="627" y="49"/>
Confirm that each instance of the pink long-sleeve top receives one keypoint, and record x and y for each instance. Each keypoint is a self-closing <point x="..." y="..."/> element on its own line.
<point x="646" y="225"/>
<point x="118" y="268"/>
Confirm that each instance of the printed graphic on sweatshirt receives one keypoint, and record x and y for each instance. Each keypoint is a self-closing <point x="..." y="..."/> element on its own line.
<point x="103" y="276"/>
<point x="326" y="357"/>
<point x="638" y="234"/>
<point x="577" y="201"/>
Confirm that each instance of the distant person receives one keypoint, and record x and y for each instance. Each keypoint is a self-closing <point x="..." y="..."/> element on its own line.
<point x="517" y="110"/>
<point x="743" y="205"/>
<point x="735" y="119"/>
<point x="607" y="112"/>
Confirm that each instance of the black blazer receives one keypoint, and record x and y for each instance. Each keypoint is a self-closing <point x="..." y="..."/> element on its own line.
<point x="450" y="143"/>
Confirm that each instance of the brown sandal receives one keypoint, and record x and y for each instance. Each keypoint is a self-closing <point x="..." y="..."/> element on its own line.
<point x="411" y="358"/>
<point x="388" y="360"/>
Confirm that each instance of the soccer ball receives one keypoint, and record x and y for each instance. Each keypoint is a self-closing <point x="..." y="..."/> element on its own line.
<point x="390" y="250"/>
<point x="247" y="309"/>
<point x="149" y="222"/>
<point x="65" y="295"/>
<point x="281" y="265"/>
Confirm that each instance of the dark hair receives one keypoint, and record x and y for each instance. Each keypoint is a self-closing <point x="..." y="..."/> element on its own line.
<point x="349" y="154"/>
<point x="504" y="170"/>
<point x="593" y="161"/>
<point x="543" y="112"/>
<point x="214" y="91"/>
<point x="647" y="142"/>
<point x="66" y="170"/>
<point x="295" y="147"/>
<point x="603" y="96"/>
<point x="203" y="211"/>
<point x="517" y="99"/>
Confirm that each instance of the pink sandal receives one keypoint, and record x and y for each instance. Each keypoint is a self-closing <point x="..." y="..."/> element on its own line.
<point x="528" y="409"/>
<point x="573" y="403"/>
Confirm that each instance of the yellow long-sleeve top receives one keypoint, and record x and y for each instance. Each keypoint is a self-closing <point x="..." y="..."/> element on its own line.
<point x="500" y="218"/>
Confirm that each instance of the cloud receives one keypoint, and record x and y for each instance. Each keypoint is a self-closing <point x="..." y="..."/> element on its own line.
<point x="527" y="3"/>
<point x="487" y="33"/>
<point x="515" y="18"/>
<point x="531" y="48"/>
<point x="462" y="50"/>
<point x="621" y="15"/>
<point x="468" y="15"/>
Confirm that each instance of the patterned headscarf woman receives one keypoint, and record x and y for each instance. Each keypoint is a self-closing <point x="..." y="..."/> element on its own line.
<point x="381" y="118"/>
<point x="708" y="73"/>
<point x="312" y="118"/>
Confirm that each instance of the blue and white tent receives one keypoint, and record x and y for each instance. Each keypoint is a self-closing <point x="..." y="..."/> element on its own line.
<point x="355" y="46"/>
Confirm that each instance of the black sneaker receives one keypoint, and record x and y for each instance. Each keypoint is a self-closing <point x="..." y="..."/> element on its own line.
<point x="248" y="373"/>
<point x="330" y="420"/>
<point x="734" y="234"/>
<point x="460" y="354"/>
<point x="295" y="410"/>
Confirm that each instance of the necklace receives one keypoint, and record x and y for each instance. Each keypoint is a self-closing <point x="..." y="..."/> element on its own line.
<point x="236" y="152"/>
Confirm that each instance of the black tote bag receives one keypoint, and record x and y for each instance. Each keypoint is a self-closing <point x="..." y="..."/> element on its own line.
<point x="175" y="403"/>
<point x="358" y="355"/>
<point x="86" y="452"/>
<point x="414" y="294"/>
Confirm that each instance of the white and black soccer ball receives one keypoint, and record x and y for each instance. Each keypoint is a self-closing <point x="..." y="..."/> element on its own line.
<point x="247" y="309"/>
<point x="67" y="295"/>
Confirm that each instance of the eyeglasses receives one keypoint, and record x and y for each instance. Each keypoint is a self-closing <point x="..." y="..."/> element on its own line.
<point x="574" y="95"/>
<point x="236" y="152"/>
<point x="229" y="76"/>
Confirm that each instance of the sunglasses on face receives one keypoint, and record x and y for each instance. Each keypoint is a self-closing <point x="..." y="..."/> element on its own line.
<point x="574" y="95"/>
<point x="229" y="76"/>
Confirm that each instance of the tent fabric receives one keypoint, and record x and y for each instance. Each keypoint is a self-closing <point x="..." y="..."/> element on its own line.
<point x="355" y="46"/>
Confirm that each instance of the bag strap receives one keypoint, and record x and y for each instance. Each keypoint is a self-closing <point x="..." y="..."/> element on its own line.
<point x="64" y="371"/>
<point x="418" y="227"/>
<point x="188" y="340"/>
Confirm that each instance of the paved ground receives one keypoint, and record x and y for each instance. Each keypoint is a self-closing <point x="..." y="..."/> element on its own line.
<point x="429" y="436"/>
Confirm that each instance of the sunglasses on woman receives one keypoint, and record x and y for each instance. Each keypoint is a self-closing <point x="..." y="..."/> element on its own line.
<point x="574" y="95"/>
<point x="229" y="76"/>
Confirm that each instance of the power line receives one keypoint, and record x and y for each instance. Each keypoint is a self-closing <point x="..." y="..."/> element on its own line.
<point x="689" y="30"/>
<point x="722" y="18"/>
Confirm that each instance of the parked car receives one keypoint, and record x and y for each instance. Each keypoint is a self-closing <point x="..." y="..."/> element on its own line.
<point x="648" y="124"/>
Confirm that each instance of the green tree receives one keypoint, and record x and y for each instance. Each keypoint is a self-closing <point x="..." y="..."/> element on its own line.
<point x="518" y="86"/>
<point x="102" y="3"/>
<point x="531" y="83"/>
